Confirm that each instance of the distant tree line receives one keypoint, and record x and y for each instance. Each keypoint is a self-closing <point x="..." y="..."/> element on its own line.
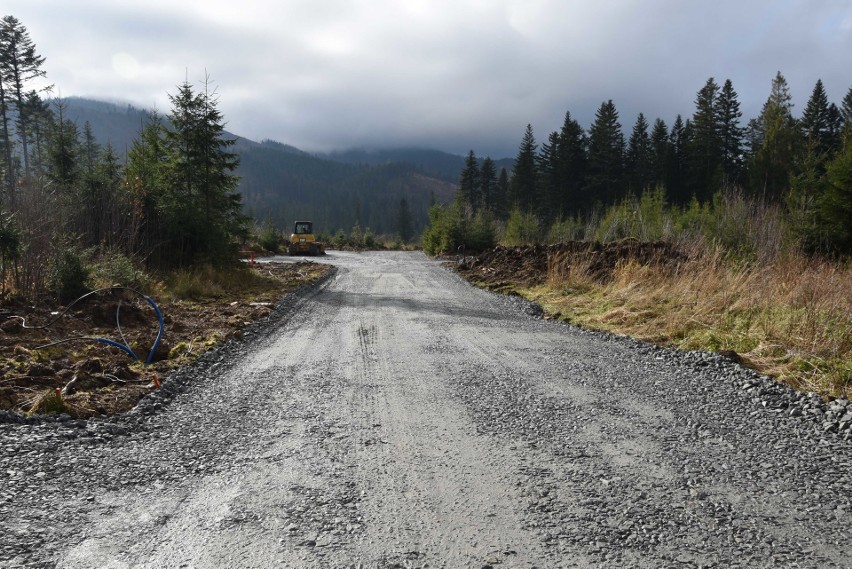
<point x="804" y="163"/>
<point x="279" y="187"/>
<point x="173" y="203"/>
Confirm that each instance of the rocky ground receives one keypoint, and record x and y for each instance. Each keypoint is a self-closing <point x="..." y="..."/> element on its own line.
<point x="397" y="417"/>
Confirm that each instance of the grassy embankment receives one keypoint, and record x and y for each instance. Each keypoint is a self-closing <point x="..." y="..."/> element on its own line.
<point x="790" y="317"/>
<point x="745" y="287"/>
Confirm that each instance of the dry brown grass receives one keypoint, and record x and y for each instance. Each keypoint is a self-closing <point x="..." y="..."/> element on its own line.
<point x="790" y="317"/>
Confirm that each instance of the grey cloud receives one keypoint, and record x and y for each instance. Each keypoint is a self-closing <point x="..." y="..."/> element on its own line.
<point x="449" y="74"/>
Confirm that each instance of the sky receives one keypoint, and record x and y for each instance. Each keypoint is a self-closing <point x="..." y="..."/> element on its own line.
<point x="453" y="75"/>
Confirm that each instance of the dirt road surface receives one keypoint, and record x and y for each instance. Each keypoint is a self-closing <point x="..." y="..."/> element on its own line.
<point x="397" y="417"/>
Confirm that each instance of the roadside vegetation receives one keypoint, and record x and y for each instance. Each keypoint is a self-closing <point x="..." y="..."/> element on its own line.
<point x="738" y="290"/>
<point x="758" y="219"/>
<point x="85" y="237"/>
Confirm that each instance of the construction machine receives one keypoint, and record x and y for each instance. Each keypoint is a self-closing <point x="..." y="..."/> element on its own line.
<point x="303" y="241"/>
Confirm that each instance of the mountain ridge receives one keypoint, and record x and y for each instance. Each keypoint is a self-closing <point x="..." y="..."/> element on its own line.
<point x="280" y="182"/>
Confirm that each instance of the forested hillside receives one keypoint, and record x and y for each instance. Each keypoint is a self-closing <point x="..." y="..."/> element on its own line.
<point x="280" y="183"/>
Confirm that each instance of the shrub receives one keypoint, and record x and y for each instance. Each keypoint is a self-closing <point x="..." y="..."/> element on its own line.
<point x="746" y="227"/>
<point x="113" y="267"/>
<point x="568" y="229"/>
<point x="444" y="233"/>
<point x="648" y="218"/>
<point x="68" y="273"/>
<point x="836" y="202"/>
<point x="479" y="234"/>
<point x="269" y="237"/>
<point x="521" y="229"/>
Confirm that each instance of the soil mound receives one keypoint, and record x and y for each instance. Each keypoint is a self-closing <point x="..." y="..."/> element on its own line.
<point x="529" y="265"/>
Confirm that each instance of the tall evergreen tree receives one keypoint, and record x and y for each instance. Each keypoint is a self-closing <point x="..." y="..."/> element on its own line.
<point x="730" y="134"/>
<point x="40" y="121"/>
<point x="204" y="209"/>
<point x="705" y="147"/>
<point x="64" y="153"/>
<point x="500" y="206"/>
<point x="605" y="179"/>
<point x="6" y="143"/>
<point x="676" y="171"/>
<point x="815" y="123"/>
<point x="836" y="202"/>
<point x="524" y="185"/>
<point x="773" y="161"/>
<point x="145" y="179"/>
<point x="469" y="182"/>
<point x="660" y="152"/>
<point x="487" y="183"/>
<point x="835" y="129"/>
<point x="638" y="158"/>
<point x="550" y="180"/>
<point x="20" y="65"/>
<point x="572" y="163"/>
<point x="846" y="112"/>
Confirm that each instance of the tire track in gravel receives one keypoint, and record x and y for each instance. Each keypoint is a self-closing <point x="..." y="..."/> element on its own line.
<point x="432" y="489"/>
<point x="401" y="419"/>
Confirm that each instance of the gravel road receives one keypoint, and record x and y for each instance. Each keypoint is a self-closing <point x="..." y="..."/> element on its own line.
<point x="397" y="417"/>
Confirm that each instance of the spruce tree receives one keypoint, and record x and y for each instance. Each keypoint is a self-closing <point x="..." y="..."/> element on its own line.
<point x="836" y="202"/>
<point x="204" y="217"/>
<point x="730" y="134"/>
<point x="469" y="182"/>
<point x="572" y="163"/>
<point x="660" y="152"/>
<point x="550" y="178"/>
<point x="7" y="165"/>
<point x="487" y="184"/>
<point x="64" y="154"/>
<point x="638" y="158"/>
<point x="834" y="135"/>
<point x="524" y="185"/>
<point x="20" y="64"/>
<point x="846" y="113"/>
<point x="676" y="171"/>
<point x="605" y="179"/>
<point x="815" y="123"/>
<point x="705" y="146"/>
<point x="40" y="121"/>
<point x="500" y="206"/>
<point x="773" y="161"/>
<point x="145" y="177"/>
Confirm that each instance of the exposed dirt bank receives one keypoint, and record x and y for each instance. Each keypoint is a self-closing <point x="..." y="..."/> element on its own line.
<point x="83" y="377"/>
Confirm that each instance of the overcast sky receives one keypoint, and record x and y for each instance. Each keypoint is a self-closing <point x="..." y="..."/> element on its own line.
<point x="453" y="75"/>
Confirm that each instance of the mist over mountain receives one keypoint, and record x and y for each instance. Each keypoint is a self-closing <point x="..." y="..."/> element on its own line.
<point x="280" y="183"/>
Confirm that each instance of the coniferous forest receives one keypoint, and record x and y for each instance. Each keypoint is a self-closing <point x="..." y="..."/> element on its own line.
<point x="586" y="183"/>
<point x="66" y="199"/>
<point x="184" y="193"/>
